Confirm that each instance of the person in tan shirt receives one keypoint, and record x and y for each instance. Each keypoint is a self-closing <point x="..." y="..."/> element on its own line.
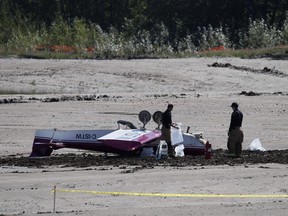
<point x="166" y="128"/>
<point x="235" y="133"/>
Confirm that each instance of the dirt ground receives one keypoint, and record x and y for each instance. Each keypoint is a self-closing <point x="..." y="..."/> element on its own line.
<point x="94" y="94"/>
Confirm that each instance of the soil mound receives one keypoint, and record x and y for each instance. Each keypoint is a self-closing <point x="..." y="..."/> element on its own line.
<point x="265" y="70"/>
<point x="219" y="157"/>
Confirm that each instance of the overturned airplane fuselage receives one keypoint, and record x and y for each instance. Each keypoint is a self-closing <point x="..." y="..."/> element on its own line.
<point x="120" y="141"/>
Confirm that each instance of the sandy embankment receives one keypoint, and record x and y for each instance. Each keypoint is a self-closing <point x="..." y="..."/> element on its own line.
<point x="201" y="95"/>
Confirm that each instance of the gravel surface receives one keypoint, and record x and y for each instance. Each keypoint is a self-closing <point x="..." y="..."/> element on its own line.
<point x="95" y="94"/>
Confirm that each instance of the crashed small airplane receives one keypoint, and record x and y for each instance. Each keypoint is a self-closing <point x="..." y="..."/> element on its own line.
<point x="128" y="141"/>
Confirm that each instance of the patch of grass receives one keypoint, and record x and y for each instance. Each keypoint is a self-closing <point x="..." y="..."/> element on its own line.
<point x="55" y="55"/>
<point x="279" y="52"/>
<point x="275" y="52"/>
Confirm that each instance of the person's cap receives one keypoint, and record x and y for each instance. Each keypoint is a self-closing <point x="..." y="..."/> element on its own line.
<point x="234" y="104"/>
<point x="170" y="106"/>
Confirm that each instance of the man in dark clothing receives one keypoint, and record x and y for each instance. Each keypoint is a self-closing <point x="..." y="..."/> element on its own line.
<point x="166" y="128"/>
<point x="235" y="134"/>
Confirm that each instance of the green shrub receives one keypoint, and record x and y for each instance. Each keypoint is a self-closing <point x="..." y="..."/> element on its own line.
<point x="60" y="33"/>
<point x="285" y="30"/>
<point x="186" y="45"/>
<point x="212" y="37"/>
<point x="260" y="35"/>
<point x="131" y="42"/>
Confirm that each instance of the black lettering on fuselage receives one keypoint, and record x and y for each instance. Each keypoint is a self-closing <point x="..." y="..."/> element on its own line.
<point x="86" y="136"/>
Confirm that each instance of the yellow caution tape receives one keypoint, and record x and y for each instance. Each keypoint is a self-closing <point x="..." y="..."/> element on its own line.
<point x="176" y="195"/>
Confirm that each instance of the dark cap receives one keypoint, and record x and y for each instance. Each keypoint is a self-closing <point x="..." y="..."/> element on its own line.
<point x="170" y="106"/>
<point x="234" y="104"/>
